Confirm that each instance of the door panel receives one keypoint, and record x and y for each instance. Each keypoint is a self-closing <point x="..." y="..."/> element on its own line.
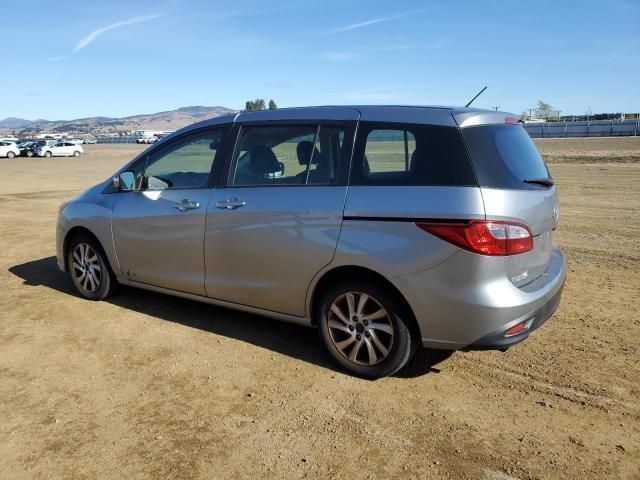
<point x="158" y="231"/>
<point x="158" y="237"/>
<point x="266" y="252"/>
<point x="276" y="223"/>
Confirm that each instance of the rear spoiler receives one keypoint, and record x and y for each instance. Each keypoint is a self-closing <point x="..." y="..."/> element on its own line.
<point x="483" y="117"/>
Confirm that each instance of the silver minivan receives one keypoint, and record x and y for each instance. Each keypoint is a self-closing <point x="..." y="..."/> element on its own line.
<point x="386" y="227"/>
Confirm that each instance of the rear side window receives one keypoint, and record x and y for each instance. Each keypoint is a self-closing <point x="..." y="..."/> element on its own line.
<point x="389" y="151"/>
<point x="504" y="156"/>
<point x="399" y="154"/>
<point x="276" y="155"/>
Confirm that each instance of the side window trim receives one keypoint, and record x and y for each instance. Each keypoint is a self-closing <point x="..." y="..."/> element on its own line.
<point x="313" y="150"/>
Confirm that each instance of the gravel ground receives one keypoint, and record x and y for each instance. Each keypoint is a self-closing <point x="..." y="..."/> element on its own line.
<point x="149" y="386"/>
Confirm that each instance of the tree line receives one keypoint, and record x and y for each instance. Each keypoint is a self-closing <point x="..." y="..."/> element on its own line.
<point x="543" y="110"/>
<point x="259" y="104"/>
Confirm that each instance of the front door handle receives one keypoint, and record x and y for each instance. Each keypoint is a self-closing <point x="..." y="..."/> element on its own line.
<point x="185" y="204"/>
<point x="231" y="203"/>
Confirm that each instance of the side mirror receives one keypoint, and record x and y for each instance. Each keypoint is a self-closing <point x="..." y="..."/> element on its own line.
<point x="124" y="181"/>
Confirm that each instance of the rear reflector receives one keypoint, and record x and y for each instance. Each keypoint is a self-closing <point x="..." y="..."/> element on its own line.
<point x="485" y="237"/>
<point x="516" y="329"/>
<point x="510" y="120"/>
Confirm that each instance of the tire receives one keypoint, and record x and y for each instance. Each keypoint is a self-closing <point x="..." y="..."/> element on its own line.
<point x="29" y="153"/>
<point x="76" y="153"/>
<point x="89" y="268"/>
<point x="380" y="350"/>
<point x="47" y="154"/>
<point x="10" y="155"/>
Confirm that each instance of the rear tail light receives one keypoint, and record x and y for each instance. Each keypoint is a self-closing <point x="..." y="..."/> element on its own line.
<point x="511" y="120"/>
<point x="485" y="237"/>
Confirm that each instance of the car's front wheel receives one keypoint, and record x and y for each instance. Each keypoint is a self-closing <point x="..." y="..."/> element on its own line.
<point x="365" y="328"/>
<point x="89" y="268"/>
<point x="11" y="155"/>
<point x="47" y="154"/>
<point x="76" y="153"/>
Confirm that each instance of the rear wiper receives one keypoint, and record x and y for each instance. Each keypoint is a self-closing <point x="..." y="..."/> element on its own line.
<point x="544" y="182"/>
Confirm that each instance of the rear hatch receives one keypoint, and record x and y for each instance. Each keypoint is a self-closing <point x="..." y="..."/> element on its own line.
<point x="516" y="186"/>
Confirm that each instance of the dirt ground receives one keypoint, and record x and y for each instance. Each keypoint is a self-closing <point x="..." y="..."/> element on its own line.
<point x="149" y="386"/>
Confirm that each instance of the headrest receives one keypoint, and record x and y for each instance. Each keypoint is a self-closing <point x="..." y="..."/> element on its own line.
<point x="263" y="160"/>
<point x="304" y="150"/>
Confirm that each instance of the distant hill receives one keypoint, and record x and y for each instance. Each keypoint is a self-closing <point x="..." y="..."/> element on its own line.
<point x="13" y="122"/>
<point x="170" y="120"/>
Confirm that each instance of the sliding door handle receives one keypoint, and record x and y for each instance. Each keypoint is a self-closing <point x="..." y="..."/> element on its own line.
<point x="185" y="204"/>
<point x="231" y="203"/>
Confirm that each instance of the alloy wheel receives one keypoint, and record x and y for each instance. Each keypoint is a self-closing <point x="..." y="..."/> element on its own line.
<point x="86" y="267"/>
<point x="360" y="328"/>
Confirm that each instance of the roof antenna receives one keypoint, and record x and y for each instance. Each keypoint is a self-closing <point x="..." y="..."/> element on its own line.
<point x="479" y="93"/>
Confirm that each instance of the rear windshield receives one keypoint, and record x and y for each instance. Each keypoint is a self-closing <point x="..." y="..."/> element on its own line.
<point x="504" y="156"/>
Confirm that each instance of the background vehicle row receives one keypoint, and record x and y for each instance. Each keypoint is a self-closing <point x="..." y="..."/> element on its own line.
<point x="41" y="148"/>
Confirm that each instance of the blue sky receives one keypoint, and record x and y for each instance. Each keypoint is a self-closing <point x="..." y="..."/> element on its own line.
<point x="72" y="59"/>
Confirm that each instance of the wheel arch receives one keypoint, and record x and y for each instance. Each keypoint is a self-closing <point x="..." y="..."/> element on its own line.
<point x="357" y="272"/>
<point x="74" y="232"/>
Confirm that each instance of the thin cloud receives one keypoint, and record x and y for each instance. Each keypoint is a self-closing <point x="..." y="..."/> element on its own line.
<point x="339" y="56"/>
<point x="371" y="97"/>
<point x="84" y="42"/>
<point x="381" y="94"/>
<point x="55" y="59"/>
<point x="373" y="21"/>
<point x="348" y="55"/>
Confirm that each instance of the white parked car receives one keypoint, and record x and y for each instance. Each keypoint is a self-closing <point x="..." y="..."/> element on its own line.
<point x="60" y="149"/>
<point x="9" y="150"/>
<point x="147" y="140"/>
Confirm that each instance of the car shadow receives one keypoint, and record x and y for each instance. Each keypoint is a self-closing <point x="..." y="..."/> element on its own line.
<point x="285" y="338"/>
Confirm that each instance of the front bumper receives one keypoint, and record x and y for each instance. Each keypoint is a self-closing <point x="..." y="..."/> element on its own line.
<point x="467" y="301"/>
<point x="60" y="234"/>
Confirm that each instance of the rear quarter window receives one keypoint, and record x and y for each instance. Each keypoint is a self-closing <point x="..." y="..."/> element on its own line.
<point x="410" y="154"/>
<point x="504" y="156"/>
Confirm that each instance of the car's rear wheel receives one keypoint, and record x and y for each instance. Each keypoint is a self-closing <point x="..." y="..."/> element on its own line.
<point x="365" y="328"/>
<point x="29" y="153"/>
<point x="10" y="155"/>
<point x="89" y="268"/>
<point x="76" y="153"/>
<point x="47" y="154"/>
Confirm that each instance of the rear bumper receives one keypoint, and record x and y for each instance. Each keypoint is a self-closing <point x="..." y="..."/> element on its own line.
<point x="467" y="302"/>
<point x="497" y="340"/>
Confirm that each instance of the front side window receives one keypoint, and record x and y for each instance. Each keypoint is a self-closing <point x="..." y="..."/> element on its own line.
<point x="286" y="155"/>
<point x="184" y="163"/>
